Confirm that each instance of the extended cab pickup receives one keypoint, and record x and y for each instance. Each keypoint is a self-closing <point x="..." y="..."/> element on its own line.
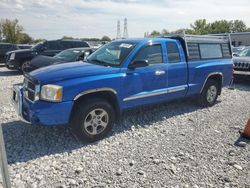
<point x="89" y="96"/>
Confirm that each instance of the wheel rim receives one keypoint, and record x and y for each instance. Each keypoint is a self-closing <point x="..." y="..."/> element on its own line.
<point x="96" y="121"/>
<point x="211" y="94"/>
<point x="24" y="65"/>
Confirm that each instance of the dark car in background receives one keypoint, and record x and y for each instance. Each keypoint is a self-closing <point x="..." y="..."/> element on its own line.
<point x="242" y="62"/>
<point x="237" y="50"/>
<point x="24" y="46"/>
<point x="16" y="59"/>
<point x="4" y="48"/>
<point x="70" y="55"/>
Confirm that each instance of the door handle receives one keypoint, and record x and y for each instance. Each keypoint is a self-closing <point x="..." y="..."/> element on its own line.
<point x="158" y="73"/>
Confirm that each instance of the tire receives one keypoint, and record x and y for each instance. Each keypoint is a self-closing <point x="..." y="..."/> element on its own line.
<point x="93" y="119"/>
<point x="209" y="94"/>
<point x="23" y="65"/>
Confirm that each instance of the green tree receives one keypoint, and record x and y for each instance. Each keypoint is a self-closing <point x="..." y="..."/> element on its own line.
<point x="68" y="37"/>
<point x="221" y="26"/>
<point x="165" y="32"/>
<point x="200" y="27"/>
<point x="238" y="26"/>
<point x="155" y="33"/>
<point x="25" y="39"/>
<point x="35" y="41"/>
<point x="11" y="30"/>
<point x="105" y="38"/>
<point x="181" y="31"/>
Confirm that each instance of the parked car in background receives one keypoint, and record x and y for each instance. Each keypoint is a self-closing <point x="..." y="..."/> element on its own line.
<point x="4" y="48"/>
<point x="24" y="46"/>
<point x="89" y="96"/>
<point x="18" y="58"/>
<point x="242" y="62"/>
<point x="70" y="55"/>
<point x="237" y="50"/>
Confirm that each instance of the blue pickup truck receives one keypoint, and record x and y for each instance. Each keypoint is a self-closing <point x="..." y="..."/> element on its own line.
<point x="89" y="96"/>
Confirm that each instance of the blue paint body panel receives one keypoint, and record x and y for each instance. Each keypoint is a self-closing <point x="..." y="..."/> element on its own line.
<point x="133" y="87"/>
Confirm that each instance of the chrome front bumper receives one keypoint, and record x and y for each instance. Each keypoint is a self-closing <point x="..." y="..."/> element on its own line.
<point x="246" y="73"/>
<point x="17" y="100"/>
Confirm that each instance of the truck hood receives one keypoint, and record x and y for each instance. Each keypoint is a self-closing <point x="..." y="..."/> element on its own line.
<point x="20" y="51"/>
<point x="66" y="71"/>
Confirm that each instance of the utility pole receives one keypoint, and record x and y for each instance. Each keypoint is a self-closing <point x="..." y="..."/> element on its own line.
<point x="125" y="31"/>
<point x="118" y="35"/>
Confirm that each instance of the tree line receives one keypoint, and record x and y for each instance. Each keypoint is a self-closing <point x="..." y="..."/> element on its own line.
<point x="12" y="32"/>
<point x="202" y="27"/>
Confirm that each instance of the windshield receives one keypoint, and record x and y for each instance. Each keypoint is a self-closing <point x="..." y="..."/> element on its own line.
<point x="37" y="46"/>
<point x="112" y="54"/>
<point x="245" y="53"/>
<point x="68" y="55"/>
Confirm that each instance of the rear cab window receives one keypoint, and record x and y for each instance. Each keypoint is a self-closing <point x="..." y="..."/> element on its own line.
<point x="173" y="53"/>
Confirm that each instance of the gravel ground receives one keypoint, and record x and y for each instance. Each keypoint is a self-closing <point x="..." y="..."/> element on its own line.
<point x="176" y="144"/>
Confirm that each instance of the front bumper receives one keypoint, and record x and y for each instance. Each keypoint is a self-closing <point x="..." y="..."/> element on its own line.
<point x="17" y="101"/>
<point x="246" y="73"/>
<point x="41" y="112"/>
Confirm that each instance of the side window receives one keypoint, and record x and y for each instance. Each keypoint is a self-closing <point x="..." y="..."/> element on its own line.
<point x="52" y="45"/>
<point x="84" y="44"/>
<point x="153" y="54"/>
<point x="66" y="45"/>
<point x="173" y="53"/>
<point x="208" y="51"/>
<point x="76" y="44"/>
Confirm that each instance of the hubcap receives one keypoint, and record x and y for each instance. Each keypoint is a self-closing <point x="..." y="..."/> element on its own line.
<point x="211" y="93"/>
<point x="24" y="65"/>
<point x="96" y="121"/>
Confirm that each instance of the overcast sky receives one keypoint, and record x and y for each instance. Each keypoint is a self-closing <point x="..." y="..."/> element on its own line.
<point x="52" y="19"/>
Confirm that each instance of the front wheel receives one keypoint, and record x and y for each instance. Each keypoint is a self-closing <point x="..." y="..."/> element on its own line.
<point x="209" y="93"/>
<point x="23" y="66"/>
<point x="93" y="119"/>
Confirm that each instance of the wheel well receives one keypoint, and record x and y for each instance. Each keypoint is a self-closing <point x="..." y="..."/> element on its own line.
<point x="106" y="95"/>
<point x="218" y="79"/>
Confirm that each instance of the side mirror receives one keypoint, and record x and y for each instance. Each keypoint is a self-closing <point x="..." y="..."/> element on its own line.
<point x="235" y="55"/>
<point x="137" y="64"/>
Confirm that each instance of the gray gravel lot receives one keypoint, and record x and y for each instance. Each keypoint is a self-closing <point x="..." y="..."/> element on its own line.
<point x="175" y="144"/>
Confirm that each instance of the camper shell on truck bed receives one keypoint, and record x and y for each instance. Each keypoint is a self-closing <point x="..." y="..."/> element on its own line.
<point x="192" y="45"/>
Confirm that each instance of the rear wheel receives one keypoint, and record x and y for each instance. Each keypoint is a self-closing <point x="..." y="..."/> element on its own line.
<point x="93" y="119"/>
<point x="209" y="93"/>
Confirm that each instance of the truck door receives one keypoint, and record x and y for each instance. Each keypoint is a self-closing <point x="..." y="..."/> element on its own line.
<point x="148" y="84"/>
<point x="177" y="72"/>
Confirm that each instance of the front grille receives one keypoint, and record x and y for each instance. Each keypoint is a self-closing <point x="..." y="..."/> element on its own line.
<point x="7" y="57"/>
<point x="31" y="90"/>
<point x="242" y="65"/>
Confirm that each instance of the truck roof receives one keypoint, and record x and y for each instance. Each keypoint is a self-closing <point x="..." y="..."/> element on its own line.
<point x="144" y="40"/>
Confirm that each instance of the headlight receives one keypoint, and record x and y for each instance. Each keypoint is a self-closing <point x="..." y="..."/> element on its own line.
<point x="12" y="56"/>
<point x="51" y="93"/>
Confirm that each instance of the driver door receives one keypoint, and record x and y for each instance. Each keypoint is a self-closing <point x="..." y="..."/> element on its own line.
<point x="144" y="85"/>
